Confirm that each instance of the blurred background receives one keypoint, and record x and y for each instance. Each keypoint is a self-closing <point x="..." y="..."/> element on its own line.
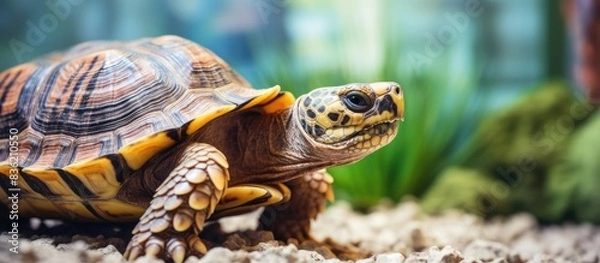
<point x="497" y="117"/>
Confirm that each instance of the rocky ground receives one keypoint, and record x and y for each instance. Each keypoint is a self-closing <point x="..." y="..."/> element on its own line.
<point x="390" y="233"/>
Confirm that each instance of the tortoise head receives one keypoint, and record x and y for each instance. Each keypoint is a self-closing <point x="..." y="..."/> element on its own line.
<point x="358" y="117"/>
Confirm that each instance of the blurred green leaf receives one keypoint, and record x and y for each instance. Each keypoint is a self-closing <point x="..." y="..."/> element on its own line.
<point x="437" y="104"/>
<point x="573" y="182"/>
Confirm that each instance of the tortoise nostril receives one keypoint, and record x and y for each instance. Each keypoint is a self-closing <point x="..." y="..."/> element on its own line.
<point x="397" y="90"/>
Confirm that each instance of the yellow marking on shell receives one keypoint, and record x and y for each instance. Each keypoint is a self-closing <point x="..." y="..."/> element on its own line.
<point x="197" y="123"/>
<point x="118" y="211"/>
<point x="98" y="175"/>
<point x="5" y="171"/>
<point x="77" y="211"/>
<point x="52" y="180"/>
<point x="140" y="151"/>
<point x="38" y="207"/>
<point x="31" y="203"/>
<point x="69" y="204"/>
<point x="282" y="102"/>
<point x="267" y="95"/>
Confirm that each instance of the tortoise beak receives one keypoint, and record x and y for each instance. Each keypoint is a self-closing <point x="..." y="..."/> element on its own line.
<point x="398" y="97"/>
<point x="400" y="104"/>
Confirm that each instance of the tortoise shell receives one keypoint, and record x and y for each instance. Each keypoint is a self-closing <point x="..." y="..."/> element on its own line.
<point x="91" y="116"/>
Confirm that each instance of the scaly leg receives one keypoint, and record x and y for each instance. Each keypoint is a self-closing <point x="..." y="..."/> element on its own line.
<point x="176" y="215"/>
<point x="292" y="219"/>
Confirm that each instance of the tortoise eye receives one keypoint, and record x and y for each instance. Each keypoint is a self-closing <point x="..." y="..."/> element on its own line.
<point x="357" y="101"/>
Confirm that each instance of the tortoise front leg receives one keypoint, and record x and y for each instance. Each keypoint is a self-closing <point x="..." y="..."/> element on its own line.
<point x="181" y="205"/>
<point x="292" y="219"/>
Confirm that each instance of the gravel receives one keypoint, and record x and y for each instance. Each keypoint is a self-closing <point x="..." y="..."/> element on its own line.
<point x="389" y="233"/>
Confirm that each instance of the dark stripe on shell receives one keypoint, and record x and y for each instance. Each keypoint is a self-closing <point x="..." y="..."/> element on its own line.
<point x="38" y="185"/>
<point x="8" y="87"/>
<point x="90" y="87"/>
<point x="4" y="79"/>
<point x="75" y="91"/>
<point x="63" y="156"/>
<point x="210" y="77"/>
<point x="119" y="165"/>
<point x="90" y="208"/>
<point x="109" y="116"/>
<point x="5" y="90"/>
<point x="174" y="134"/>
<point x="75" y="184"/>
<point x="55" y="112"/>
<point x="33" y="155"/>
<point x="20" y="117"/>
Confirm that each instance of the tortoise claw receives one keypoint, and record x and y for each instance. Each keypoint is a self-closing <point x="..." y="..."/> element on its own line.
<point x="194" y="242"/>
<point x="134" y="253"/>
<point x="180" y="207"/>
<point x="154" y="246"/>
<point x="177" y="249"/>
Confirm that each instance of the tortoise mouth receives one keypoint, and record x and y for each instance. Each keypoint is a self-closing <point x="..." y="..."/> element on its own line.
<point x="380" y="129"/>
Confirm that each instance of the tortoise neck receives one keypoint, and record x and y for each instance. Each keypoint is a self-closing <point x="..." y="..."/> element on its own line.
<point x="260" y="147"/>
<point x="274" y="149"/>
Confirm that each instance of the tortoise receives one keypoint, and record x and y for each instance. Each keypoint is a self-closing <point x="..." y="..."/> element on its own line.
<point x="163" y="132"/>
